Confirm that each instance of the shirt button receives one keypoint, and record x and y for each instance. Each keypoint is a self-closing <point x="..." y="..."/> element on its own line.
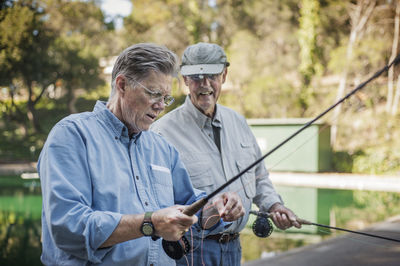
<point x="137" y="177"/>
<point x="145" y="203"/>
<point x="116" y="137"/>
<point x="123" y="129"/>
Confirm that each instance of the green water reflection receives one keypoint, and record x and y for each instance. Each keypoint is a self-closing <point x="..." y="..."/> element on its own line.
<point x="20" y="228"/>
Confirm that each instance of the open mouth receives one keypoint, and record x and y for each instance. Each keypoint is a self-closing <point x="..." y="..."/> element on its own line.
<point x="152" y="116"/>
<point x="206" y="93"/>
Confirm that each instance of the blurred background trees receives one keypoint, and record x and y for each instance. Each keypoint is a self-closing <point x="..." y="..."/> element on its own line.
<point x="288" y="59"/>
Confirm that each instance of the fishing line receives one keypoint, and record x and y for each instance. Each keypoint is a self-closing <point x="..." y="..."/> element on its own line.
<point x="175" y="250"/>
<point x="349" y="237"/>
<point x="305" y="222"/>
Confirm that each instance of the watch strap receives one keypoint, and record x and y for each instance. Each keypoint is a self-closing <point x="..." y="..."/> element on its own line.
<point x="147" y="217"/>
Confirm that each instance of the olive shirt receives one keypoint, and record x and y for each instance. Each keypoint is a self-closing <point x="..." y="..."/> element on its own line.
<point x="190" y="131"/>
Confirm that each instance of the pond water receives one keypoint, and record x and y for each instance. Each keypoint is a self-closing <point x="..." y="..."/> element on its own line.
<point x="20" y="227"/>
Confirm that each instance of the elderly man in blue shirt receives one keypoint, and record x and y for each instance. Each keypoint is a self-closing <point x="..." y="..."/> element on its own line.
<point x="110" y="187"/>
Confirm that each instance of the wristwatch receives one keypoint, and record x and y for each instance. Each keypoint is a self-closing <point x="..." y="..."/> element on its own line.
<point x="147" y="227"/>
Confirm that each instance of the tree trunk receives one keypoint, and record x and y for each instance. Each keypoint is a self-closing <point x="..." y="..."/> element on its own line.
<point x="71" y="96"/>
<point x="31" y="113"/>
<point x="14" y="113"/>
<point x="396" y="97"/>
<point x="389" y="99"/>
<point x="32" y="116"/>
<point x="359" y="19"/>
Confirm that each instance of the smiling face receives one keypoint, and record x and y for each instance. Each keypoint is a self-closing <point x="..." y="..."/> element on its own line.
<point x="204" y="94"/>
<point x="136" y="109"/>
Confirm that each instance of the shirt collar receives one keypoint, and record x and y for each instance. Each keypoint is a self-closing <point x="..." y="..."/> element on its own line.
<point x="119" y="129"/>
<point x="200" y="118"/>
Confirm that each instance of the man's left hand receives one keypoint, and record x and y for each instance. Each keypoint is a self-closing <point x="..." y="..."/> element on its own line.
<point x="283" y="217"/>
<point x="227" y="205"/>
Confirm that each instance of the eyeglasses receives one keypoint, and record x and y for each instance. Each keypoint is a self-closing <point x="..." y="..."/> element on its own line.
<point x="156" y="96"/>
<point x="200" y="77"/>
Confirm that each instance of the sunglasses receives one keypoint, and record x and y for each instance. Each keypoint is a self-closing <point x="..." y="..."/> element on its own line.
<point x="200" y="77"/>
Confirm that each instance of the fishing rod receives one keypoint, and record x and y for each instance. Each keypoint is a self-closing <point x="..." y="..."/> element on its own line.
<point x="177" y="249"/>
<point x="261" y="228"/>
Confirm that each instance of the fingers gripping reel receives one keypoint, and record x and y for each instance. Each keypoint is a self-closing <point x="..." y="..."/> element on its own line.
<point x="262" y="226"/>
<point x="176" y="249"/>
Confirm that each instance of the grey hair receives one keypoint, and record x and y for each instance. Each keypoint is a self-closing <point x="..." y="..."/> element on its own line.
<point x="139" y="60"/>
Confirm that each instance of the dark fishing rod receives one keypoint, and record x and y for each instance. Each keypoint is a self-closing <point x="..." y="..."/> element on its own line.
<point x="262" y="229"/>
<point x="176" y="250"/>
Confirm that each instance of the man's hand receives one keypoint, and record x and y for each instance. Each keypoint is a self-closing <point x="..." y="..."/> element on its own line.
<point x="171" y="223"/>
<point x="227" y="205"/>
<point x="283" y="217"/>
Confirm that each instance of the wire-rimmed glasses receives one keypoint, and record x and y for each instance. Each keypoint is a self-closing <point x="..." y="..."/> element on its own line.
<point x="156" y="96"/>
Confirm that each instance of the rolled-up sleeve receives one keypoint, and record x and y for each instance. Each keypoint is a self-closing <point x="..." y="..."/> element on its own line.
<point x="67" y="197"/>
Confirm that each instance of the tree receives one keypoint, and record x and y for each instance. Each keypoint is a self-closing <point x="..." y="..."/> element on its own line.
<point x="392" y="103"/>
<point x="48" y="41"/>
<point x="309" y="51"/>
<point x="359" y="14"/>
<point x="25" y="46"/>
<point x="80" y="28"/>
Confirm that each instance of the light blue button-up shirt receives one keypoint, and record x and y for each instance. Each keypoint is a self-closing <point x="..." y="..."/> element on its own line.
<point x="91" y="174"/>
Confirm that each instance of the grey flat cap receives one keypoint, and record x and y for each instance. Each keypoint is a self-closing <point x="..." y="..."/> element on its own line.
<point x="203" y="58"/>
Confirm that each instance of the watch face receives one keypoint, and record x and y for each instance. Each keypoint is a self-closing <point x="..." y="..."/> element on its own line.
<point x="147" y="229"/>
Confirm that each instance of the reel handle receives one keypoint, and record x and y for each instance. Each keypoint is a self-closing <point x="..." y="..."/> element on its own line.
<point x="302" y="221"/>
<point x="177" y="249"/>
<point x="195" y="207"/>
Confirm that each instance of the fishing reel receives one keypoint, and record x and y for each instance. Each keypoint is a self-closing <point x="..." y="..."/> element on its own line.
<point x="262" y="226"/>
<point x="176" y="249"/>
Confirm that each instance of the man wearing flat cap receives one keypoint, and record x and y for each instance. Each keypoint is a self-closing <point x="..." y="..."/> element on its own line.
<point x="216" y="144"/>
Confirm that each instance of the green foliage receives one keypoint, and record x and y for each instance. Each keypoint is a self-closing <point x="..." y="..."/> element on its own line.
<point x="377" y="160"/>
<point x="269" y="97"/>
<point x="276" y="49"/>
<point x="368" y="207"/>
<point x="308" y="32"/>
<point x="19" y="144"/>
<point x="342" y="162"/>
<point x="46" y="43"/>
<point x="20" y="227"/>
<point x="20" y="240"/>
<point x="309" y="50"/>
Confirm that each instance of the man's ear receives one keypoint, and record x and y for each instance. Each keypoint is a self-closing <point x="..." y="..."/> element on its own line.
<point x="121" y="84"/>
<point x="224" y="73"/>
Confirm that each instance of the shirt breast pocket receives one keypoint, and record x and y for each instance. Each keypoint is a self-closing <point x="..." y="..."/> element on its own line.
<point x="162" y="185"/>
<point x="200" y="176"/>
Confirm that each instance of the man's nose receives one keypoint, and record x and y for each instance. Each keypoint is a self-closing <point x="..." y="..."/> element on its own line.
<point x="159" y="105"/>
<point x="205" y="82"/>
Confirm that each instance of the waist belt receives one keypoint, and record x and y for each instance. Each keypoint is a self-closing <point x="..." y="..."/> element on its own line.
<point x="223" y="238"/>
